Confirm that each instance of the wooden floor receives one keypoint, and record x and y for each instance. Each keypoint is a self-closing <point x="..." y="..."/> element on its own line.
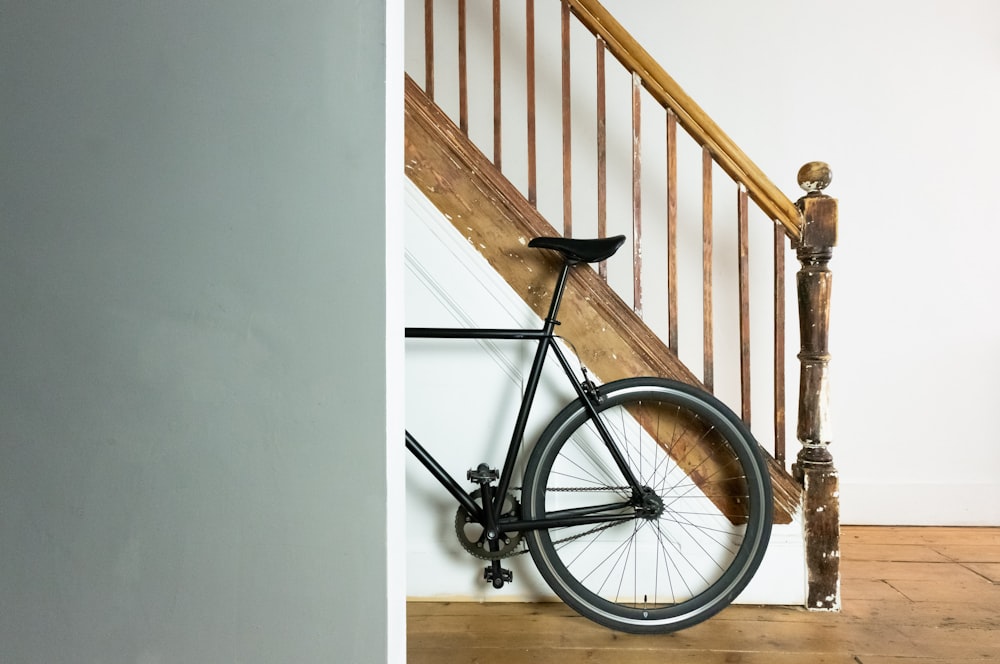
<point x="910" y="595"/>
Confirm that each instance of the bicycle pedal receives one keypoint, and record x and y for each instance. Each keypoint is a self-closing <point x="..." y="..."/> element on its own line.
<point x="483" y="474"/>
<point x="498" y="576"/>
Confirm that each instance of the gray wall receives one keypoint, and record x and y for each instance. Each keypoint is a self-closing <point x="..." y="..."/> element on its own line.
<point x="192" y="292"/>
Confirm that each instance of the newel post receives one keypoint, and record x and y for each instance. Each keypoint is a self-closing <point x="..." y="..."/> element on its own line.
<point x="814" y="467"/>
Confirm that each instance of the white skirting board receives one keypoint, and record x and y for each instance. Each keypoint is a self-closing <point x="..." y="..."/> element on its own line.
<point x="461" y="399"/>
<point x="445" y="572"/>
<point x="923" y="504"/>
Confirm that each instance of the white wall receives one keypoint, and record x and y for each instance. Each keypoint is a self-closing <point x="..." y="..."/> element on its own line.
<point x="898" y="97"/>
<point x="196" y="338"/>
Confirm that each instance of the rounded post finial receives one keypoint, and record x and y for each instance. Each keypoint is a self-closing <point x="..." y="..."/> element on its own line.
<point x="815" y="176"/>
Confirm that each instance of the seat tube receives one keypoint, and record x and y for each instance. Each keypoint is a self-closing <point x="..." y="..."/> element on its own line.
<point x="517" y="438"/>
<point x="557" y="293"/>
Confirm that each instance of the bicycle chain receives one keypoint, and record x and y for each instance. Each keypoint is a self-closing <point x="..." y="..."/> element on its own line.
<point x="596" y="529"/>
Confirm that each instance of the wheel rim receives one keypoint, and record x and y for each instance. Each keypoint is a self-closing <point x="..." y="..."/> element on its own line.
<point x="680" y="564"/>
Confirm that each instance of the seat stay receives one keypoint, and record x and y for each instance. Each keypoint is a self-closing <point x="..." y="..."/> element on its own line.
<point x="588" y="404"/>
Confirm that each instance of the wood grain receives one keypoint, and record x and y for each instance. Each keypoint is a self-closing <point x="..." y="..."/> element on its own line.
<point x="948" y="614"/>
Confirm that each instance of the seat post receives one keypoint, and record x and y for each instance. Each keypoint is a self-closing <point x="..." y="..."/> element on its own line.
<point x="557" y="293"/>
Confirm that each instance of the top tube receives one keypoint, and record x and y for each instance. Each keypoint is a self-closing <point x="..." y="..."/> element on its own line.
<point x="473" y="333"/>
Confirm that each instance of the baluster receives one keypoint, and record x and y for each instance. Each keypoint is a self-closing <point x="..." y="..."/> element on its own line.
<point x="463" y="78"/>
<point x="429" y="48"/>
<point x="708" y="324"/>
<point x="567" y="135"/>
<point x="779" y="344"/>
<point x="496" y="84"/>
<point x="814" y="466"/>
<point x="672" y="286"/>
<point x="744" y="288"/>
<point x="529" y="7"/>
<point x="602" y="153"/>
<point x="637" y="194"/>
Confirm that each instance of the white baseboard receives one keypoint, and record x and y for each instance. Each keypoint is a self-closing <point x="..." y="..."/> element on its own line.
<point x="781" y="578"/>
<point x="457" y="577"/>
<point x="894" y="504"/>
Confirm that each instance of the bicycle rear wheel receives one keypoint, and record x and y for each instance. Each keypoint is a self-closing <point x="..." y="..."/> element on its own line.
<point x="684" y="546"/>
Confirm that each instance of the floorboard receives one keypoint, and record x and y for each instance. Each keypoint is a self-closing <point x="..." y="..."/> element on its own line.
<point x="910" y="596"/>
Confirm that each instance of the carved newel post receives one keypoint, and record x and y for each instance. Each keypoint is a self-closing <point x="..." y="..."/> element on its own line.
<point x="814" y="467"/>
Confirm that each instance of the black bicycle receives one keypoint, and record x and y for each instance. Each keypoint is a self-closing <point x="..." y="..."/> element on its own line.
<point x="645" y="503"/>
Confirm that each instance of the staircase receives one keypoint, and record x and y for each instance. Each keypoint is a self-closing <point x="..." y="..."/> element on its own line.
<point x="610" y="335"/>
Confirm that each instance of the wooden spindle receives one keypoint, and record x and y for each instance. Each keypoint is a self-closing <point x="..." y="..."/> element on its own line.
<point x="672" y="285"/>
<point x="529" y="8"/>
<point x="567" y="134"/>
<point x="463" y="78"/>
<point x="602" y="153"/>
<point x="429" y="48"/>
<point x="496" y="85"/>
<point x="637" y="194"/>
<point x="708" y="324"/>
<point x="814" y="466"/>
<point x="779" y="345"/>
<point x="743" y="234"/>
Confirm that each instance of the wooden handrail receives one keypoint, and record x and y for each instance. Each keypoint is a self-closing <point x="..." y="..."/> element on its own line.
<point x="702" y="128"/>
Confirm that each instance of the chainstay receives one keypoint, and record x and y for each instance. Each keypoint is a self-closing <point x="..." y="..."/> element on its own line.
<point x="596" y="529"/>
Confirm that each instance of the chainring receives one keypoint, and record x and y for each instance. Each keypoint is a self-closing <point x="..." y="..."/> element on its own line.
<point x="472" y="536"/>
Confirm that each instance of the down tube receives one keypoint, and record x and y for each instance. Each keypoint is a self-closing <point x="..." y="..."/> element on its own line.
<point x="442" y="476"/>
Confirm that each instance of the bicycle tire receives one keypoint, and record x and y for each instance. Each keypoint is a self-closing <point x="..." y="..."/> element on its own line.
<point x="659" y="572"/>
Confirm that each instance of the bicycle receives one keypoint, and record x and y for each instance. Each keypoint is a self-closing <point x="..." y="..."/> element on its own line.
<point x="645" y="503"/>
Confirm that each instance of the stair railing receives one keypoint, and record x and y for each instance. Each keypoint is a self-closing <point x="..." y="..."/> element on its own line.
<point x="809" y="224"/>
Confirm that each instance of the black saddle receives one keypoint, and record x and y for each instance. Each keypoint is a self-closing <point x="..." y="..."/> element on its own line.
<point x="581" y="251"/>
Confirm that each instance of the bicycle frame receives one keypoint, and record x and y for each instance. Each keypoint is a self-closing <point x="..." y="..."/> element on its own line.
<point x="545" y="339"/>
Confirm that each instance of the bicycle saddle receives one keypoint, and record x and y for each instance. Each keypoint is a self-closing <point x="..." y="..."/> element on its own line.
<point x="581" y="251"/>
